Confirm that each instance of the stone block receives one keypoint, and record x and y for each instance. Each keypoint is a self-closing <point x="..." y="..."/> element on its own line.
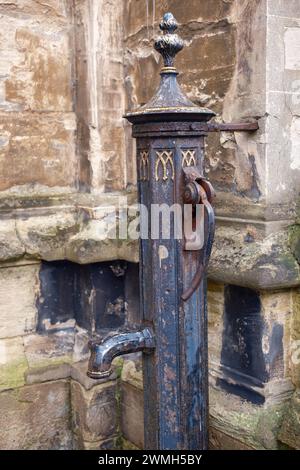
<point x="94" y="411"/>
<point x="197" y="14"/>
<point x="295" y="340"/>
<point x="219" y="440"/>
<point x="138" y="66"/>
<point x="47" y="373"/>
<point x="97" y="242"/>
<point x="132" y="414"/>
<point x="283" y="8"/>
<point x="238" y="165"/>
<point x="289" y="433"/>
<point x="253" y="426"/>
<point x="257" y="255"/>
<point x="37" y="70"/>
<point x="11" y="247"/>
<point x="37" y="151"/>
<point x="70" y="230"/>
<point x="46" y="236"/>
<point x="208" y="64"/>
<point x="246" y="96"/>
<point x="49" y="350"/>
<point x="54" y="9"/>
<point x="132" y="371"/>
<point x="19" y="287"/>
<point x="36" y="417"/>
<point x="215" y="299"/>
<point x="101" y="97"/>
<point x="283" y="127"/>
<point x="13" y="363"/>
<point x="132" y="402"/>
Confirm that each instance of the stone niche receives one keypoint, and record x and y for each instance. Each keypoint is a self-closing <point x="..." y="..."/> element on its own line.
<point x="101" y="296"/>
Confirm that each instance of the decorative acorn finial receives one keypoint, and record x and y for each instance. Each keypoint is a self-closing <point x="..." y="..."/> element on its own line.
<point x="169" y="43"/>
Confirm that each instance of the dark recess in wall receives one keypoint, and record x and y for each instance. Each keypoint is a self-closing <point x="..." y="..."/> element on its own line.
<point x="105" y="295"/>
<point x="56" y="292"/>
<point x="242" y="360"/>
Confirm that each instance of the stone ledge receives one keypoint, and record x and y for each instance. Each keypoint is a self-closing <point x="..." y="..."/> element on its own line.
<point x="248" y="252"/>
<point x="76" y="228"/>
<point x="255" y="426"/>
<point x="254" y="254"/>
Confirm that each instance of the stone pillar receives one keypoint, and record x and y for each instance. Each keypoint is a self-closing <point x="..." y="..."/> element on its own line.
<point x="256" y="243"/>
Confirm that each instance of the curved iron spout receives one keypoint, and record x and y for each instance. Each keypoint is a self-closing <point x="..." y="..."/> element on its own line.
<point x="103" y="353"/>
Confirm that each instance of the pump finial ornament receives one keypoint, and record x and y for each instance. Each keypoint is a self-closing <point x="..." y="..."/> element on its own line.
<point x="169" y="43"/>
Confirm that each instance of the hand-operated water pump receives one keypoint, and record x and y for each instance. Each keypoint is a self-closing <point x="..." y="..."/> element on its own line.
<point x="170" y="132"/>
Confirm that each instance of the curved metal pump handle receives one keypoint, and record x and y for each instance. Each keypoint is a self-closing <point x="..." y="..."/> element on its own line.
<point x="200" y="191"/>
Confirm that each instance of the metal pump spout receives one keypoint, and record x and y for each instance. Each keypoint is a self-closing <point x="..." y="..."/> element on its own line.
<point x="103" y="353"/>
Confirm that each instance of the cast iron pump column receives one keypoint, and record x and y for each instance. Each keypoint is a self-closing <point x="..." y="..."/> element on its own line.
<point x="170" y="144"/>
<point x="170" y="132"/>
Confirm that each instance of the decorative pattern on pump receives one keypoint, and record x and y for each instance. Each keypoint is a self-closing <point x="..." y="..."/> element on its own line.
<point x="164" y="160"/>
<point x="144" y="165"/>
<point x="188" y="158"/>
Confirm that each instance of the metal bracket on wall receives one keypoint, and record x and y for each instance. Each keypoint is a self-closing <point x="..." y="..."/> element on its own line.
<point x="226" y="127"/>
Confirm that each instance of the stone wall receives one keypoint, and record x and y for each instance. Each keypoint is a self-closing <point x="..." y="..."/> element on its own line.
<point x="48" y="312"/>
<point x="69" y="69"/>
<point x="62" y="164"/>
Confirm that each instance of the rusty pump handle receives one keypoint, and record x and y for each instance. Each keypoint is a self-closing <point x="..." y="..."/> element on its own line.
<point x="200" y="191"/>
